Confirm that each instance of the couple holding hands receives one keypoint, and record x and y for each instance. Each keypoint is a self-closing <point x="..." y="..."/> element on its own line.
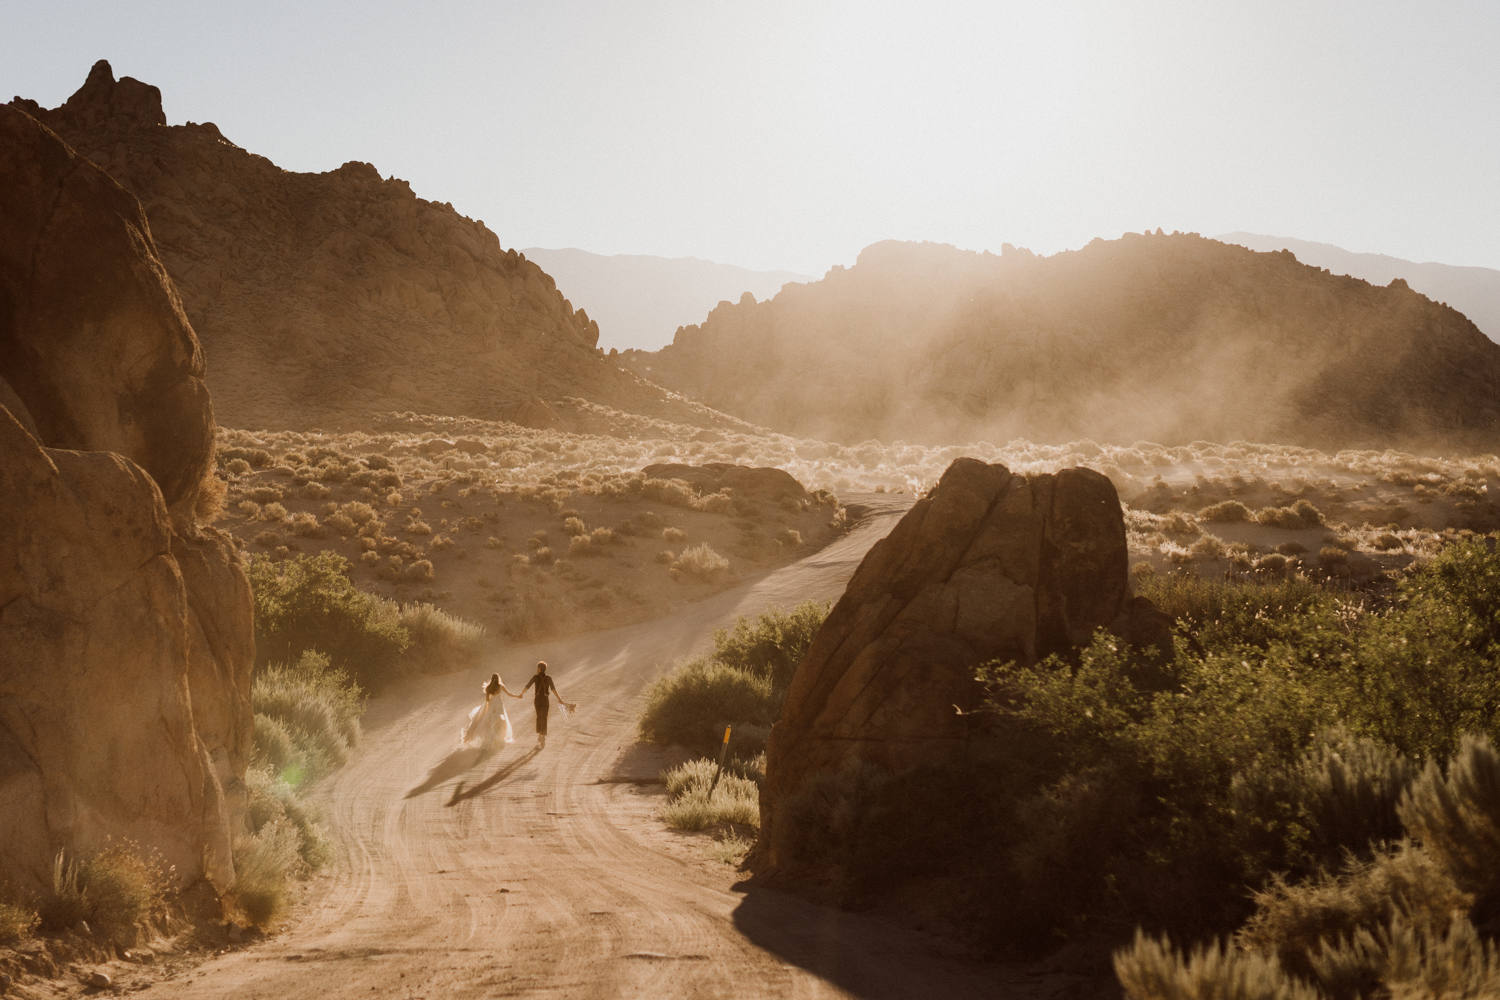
<point x="491" y="719"/>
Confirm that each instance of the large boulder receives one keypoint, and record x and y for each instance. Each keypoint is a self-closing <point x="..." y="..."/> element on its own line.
<point x="990" y="566"/>
<point x="126" y="631"/>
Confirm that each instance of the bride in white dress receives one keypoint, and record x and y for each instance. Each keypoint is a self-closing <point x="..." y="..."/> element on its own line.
<point x="488" y="720"/>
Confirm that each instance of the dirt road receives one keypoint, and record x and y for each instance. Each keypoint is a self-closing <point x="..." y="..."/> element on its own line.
<point x="517" y="873"/>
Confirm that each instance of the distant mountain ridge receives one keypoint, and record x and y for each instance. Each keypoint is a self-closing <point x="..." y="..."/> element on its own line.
<point x="1473" y="291"/>
<point x="321" y="299"/>
<point x="1162" y="338"/>
<point x="639" y="300"/>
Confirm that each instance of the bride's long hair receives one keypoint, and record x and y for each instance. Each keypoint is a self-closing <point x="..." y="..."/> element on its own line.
<point x="493" y="687"/>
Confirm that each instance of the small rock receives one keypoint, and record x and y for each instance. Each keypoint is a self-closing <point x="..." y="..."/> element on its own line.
<point x="83" y="928"/>
<point x="99" y="980"/>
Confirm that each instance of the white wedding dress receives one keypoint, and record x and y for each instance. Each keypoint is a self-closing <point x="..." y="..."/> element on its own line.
<point x="487" y="721"/>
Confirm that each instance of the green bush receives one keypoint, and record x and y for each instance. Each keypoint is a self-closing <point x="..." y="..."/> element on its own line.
<point x="742" y="683"/>
<point x="691" y="705"/>
<point x="307" y="603"/>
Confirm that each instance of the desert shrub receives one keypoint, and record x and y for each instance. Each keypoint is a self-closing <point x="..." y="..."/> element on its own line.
<point x="1299" y="516"/>
<point x="674" y="492"/>
<point x="267" y="539"/>
<point x="416" y="526"/>
<point x="1332" y="555"/>
<point x="441" y="642"/>
<point x="272" y="799"/>
<point x="1224" y="513"/>
<point x="736" y="799"/>
<point x="1296" y="920"/>
<point x="113" y="889"/>
<point x="273" y="744"/>
<point x="822" y="818"/>
<point x="419" y="571"/>
<point x="316" y="707"/>
<point x="543" y="557"/>
<point x="1151" y="969"/>
<point x="673" y="535"/>
<point x="307" y="526"/>
<point x="340" y="523"/>
<point x="665" y="556"/>
<point x="790" y="537"/>
<point x="604" y="536"/>
<point x="1291" y="548"/>
<point x="701" y="561"/>
<point x="237" y="467"/>
<point x="1208" y="547"/>
<point x="772" y="643"/>
<point x="211" y="493"/>
<point x="309" y="603"/>
<point x="265" y="864"/>
<point x="1386" y="541"/>
<point x="715" y="503"/>
<point x="743" y="683"/>
<point x="17" y="920"/>
<point x="315" y="491"/>
<point x="264" y="494"/>
<point x="1457" y="818"/>
<point x="1337" y="800"/>
<point x="574" y="527"/>
<point x="691" y="705"/>
<point x="580" y="545"/>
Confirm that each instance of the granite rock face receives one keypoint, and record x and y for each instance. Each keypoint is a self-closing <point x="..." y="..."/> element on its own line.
<point x="325" y="298"/>
<point x="991" y="565"/>
<point x="126" y="633"/>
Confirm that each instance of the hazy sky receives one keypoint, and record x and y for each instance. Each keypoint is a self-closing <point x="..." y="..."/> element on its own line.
<point x="791" y="135"/>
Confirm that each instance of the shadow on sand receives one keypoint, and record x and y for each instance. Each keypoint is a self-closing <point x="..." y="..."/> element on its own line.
<point x="860" y="953"/>
<point x="459" y="795"/>
<point x="451" y="766"/>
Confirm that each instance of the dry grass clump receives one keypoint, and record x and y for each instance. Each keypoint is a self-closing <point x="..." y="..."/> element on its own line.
<point x="441" y="642"/>
<point x="17" y="920"/>
<point x="265" y="863"/>
<point x="1227" y="512"/>
<point x="574" y="527"/>
<point x="735" y="800"/>
<point x="673" y="535"/>
<point x="1151" y="969"/>
<point x="1457" y="817"/>
<point x="701" y="561"/>
<point x="113" y="889"/>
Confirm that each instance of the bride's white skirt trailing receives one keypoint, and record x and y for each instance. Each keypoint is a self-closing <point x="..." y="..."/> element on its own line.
<point x="486" y="722"/>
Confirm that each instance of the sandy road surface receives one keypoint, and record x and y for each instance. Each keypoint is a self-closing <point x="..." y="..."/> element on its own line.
<point x="516" y="873"/>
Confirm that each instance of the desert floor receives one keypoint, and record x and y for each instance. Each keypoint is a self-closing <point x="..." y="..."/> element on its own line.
<point x="477" y="873"/>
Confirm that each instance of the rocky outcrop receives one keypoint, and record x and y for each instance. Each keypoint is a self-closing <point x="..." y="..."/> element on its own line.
<point x="758" y="483"/>
<point x="126" y="636"/>
<point x="324" y="298"/>
<point x="1168" y="338"/>
<point x="990" y="566"/>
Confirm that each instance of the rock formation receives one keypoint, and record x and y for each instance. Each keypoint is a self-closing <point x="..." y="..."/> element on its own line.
<point x="990" y="566"/>
<point x="326" y="297"/>
<point x="757" y="483"/>
<point x="126" y="636"/>
<point x="1163" y="338"/>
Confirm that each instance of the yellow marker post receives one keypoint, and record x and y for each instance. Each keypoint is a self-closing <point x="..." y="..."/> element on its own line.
<point x="723" y="753"/>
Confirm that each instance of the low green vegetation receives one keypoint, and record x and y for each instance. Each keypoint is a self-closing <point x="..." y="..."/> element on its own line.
<point x="1309" y="771"/>
<point x="322" y="644"/>
<point x="310" y="603"/>
<point x="742" y="683"/>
